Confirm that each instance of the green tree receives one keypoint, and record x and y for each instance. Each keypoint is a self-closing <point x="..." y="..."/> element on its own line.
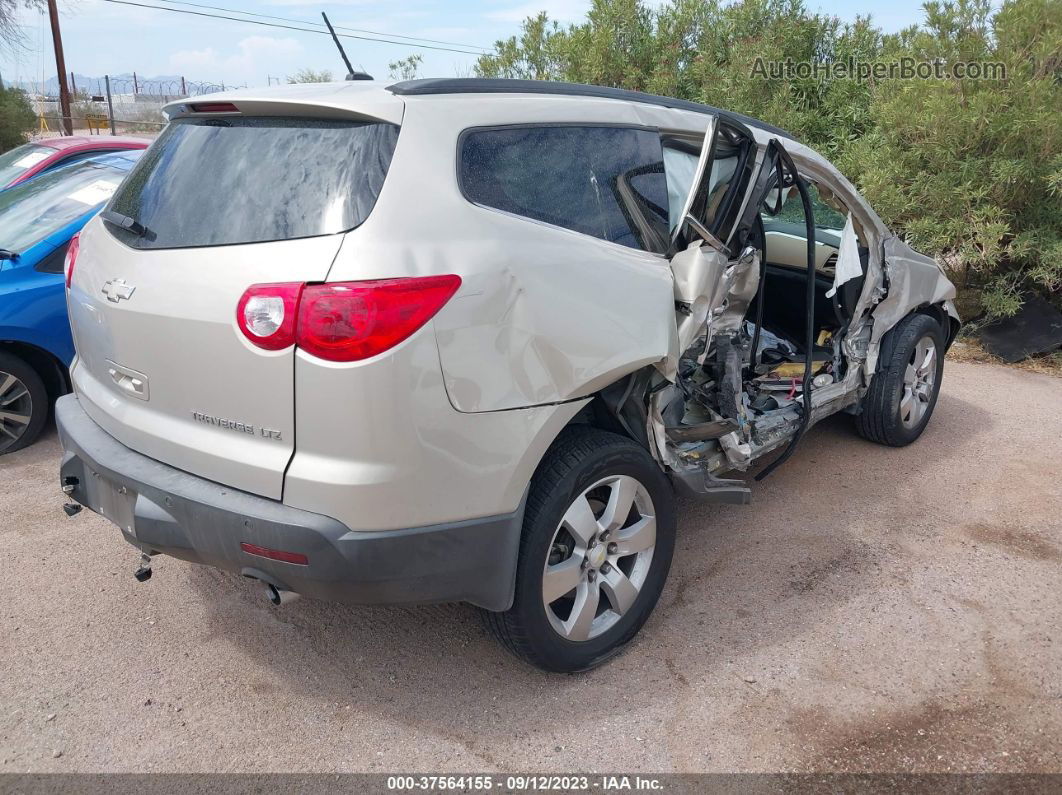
<point x="307" y="75"/>
<point x="970" y="170"/>
<point x="407" y="68"/>
<point x="16" y="118"/>
<point x="535" y="54"/>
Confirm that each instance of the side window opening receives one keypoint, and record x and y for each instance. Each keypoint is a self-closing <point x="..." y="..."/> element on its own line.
<point x="606" y="182"/>
<point x="784" y="247"/>
<point x="730" y="167"/>
<point x="785" y="237"/>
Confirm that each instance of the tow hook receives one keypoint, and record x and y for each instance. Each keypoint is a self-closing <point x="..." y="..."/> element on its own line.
<point x="69" y="484"/>
<point x="143" y="573"/>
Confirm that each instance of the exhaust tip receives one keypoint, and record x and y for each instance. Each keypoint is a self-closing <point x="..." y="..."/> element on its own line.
<point x="278" y="597"/>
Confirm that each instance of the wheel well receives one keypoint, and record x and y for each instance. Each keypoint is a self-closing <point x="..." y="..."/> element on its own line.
<point x="52" y="372"/>
<point x="948" y="324"/>
<point x="596" y="414"/>
<point x="620" y="408"/>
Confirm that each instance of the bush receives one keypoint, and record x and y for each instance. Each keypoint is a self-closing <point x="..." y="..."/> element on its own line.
<point x="307" y="75"/>
<point x="969" y="170"/>
<point x="16" y="118"/>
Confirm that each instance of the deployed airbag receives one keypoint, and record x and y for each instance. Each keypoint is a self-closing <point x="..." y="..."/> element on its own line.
<point x="848" y="265"/>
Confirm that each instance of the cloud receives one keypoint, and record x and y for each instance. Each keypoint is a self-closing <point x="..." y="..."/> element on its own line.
<point x="450" y="34"/>
<point x="254" y="56"/>
<point x="559" y="10"/>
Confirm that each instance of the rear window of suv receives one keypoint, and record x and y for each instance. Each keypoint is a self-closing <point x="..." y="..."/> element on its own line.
<point x="607" y="182"/>
<point x="214" y="182"/>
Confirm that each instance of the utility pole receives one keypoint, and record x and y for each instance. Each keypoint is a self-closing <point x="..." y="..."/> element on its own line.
<point x="60" y="68"/>
<point x="110" y="105"/>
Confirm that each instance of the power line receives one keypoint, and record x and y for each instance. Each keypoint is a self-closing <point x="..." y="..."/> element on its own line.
<point x="337" y="27"/>
<point x="292" y="27"/>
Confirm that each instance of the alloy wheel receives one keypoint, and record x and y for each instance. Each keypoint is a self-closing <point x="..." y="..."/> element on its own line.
<point x="919" y="382"/>
<point x="599" y="558"/>
<point x="16" y="409"/>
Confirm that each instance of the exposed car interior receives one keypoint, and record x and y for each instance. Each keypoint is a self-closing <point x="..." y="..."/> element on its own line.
<point x="745" y="387"/>
<point x="782" y="241"/>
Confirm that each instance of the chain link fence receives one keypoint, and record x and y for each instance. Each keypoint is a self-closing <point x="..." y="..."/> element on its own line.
<point x="131" y="106"/>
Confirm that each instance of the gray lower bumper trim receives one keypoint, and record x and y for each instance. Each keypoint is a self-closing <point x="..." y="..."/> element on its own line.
<point x="165" y="510"/>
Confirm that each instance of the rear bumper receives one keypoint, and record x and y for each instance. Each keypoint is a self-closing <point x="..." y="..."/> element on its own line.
<point x="165" y="510"/>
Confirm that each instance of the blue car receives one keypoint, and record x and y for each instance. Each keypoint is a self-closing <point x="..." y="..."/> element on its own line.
<point x="38" y="219"/>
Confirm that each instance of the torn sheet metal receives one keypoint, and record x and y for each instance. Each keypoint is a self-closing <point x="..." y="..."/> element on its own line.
<point x="914" y="280"/>
<point x="712" y="295"/>
<point x="699" y="273"/>
<point x="740" y="282"/>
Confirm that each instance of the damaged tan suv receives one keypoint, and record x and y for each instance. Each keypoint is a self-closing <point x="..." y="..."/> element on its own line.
<point x="463" y="340"/>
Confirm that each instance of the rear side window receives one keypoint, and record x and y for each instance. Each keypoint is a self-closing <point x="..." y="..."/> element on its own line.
<point x="607" y="182"/>
<point x="213" y="182"/>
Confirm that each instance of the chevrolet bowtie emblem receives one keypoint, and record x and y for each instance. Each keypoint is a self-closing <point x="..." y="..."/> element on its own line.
<point x="117" y="289"/>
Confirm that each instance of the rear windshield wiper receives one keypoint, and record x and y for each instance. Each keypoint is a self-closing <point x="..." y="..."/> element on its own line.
<point x="124" y="222"/>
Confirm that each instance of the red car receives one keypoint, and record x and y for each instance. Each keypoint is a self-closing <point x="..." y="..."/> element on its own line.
<point x="27" y="161"/>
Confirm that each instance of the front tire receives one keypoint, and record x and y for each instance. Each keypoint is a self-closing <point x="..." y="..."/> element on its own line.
<point x="903" y="394"/>
<point x="23" y="404"/>
<point x="598" y="537"/>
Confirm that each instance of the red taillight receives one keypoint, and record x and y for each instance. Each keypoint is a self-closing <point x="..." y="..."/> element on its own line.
<point x="349" y="321"/>
<point x="342" y="321"/>
<point x="275" y="554"/>
<point x="266" y="314"/>
<point x="215" y="107"/>
<point x="71" y="258"/>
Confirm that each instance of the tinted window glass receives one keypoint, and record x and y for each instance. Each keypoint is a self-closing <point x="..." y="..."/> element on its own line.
<point x="32" y="210"/>
<point x="681" y="167"/>
<point x="17" y="161"/>
<point x="607" y="182"/>
<point x="210" y="182"/>
<point x="724" y="180"/>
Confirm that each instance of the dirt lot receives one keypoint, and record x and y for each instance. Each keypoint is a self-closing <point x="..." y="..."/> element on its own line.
<point x="874" y="609"/>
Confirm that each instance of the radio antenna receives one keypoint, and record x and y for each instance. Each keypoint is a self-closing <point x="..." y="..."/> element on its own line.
<point x="351" y="74"/>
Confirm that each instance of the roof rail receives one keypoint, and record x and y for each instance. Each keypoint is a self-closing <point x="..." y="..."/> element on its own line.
<point x="479" y="85"/>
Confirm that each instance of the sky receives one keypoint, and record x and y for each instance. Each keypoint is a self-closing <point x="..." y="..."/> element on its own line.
<point x="101" y="37"/>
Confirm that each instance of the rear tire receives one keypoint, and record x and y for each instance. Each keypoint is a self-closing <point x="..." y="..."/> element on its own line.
<point x="903" y="394"/>
<point x="23" y="404"/>
<point x="598" y="537"/>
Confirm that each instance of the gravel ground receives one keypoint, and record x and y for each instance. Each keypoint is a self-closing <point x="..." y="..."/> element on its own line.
<point x="872" y="610"/>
